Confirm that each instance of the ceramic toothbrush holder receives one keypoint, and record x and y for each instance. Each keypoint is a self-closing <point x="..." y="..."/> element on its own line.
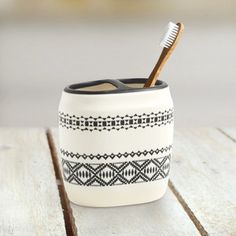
<point x="115" y="141"/>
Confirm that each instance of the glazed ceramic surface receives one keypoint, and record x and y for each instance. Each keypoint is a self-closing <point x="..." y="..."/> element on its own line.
<point x="115" y="141"/>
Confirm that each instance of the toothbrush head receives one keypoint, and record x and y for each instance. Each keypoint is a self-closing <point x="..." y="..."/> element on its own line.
<point x="170" y="35"/>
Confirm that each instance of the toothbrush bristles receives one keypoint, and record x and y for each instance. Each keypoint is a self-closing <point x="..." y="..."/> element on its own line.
<point x="170" y="35"/>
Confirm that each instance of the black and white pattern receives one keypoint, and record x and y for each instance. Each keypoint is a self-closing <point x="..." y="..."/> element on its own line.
<point x="109" y="123"/>
<point x="111" y="156"/>
<point x="118" y="173"/>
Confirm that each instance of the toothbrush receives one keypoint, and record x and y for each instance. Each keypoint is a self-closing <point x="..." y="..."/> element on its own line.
<point x="169" y="42"/>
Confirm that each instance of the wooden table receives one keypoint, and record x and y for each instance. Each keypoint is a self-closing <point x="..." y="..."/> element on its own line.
<point x="201" y="199"/>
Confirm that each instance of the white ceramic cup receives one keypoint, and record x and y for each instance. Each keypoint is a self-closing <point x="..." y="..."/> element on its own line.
<point x="115" y="141"/>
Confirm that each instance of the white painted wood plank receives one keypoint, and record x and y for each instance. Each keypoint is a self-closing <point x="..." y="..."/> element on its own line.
<point x="163" y="217"/>
<point x="203" y="172"/>
<point x="29" y="199"/>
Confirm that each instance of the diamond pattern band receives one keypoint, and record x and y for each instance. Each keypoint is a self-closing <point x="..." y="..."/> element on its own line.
<point x="109" y="123"/>
<point x="118" y="173"/>
<point x="115" y="155"/>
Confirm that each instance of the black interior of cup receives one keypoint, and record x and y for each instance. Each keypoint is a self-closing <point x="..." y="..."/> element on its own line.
<point x="113" y="86"/>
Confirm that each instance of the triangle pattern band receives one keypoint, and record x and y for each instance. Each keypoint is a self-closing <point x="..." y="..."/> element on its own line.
<point x="116" y="173"/>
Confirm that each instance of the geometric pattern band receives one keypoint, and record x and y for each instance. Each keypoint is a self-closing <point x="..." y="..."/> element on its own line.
<point x="118" y="122"/>
<point x="112" y="156"/>
<point x="117" y="173"/>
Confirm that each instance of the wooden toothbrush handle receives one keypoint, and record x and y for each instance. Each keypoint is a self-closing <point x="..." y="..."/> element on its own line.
<point x="157" y="69"/>
<point x="166" y="52"/>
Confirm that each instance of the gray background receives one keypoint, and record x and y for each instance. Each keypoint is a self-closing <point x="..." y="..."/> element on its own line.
<point x="40" y="55"/>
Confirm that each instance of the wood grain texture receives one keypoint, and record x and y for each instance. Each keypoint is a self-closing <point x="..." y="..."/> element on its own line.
<point x="29" y="199"/>
<point x="204" y="174"/>
<point x="163" y="217"/>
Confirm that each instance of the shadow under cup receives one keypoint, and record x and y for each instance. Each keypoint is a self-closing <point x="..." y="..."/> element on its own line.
<point x="115" y="141"/>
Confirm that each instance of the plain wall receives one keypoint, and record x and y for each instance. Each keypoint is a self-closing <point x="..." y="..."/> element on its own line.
<point x="38" y="58"/>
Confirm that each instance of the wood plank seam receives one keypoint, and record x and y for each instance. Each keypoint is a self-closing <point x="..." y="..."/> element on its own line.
<point x="185" y="206"/>
<point x="227" y="135"/>
<point x="67" y="211"/>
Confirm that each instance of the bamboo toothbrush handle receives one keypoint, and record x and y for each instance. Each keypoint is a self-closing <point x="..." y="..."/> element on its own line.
<point x="166" y="52"/>
<point x="157" y="69"/>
